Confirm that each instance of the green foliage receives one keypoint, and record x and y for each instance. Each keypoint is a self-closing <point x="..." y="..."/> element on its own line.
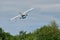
<point x="47" y="32"/>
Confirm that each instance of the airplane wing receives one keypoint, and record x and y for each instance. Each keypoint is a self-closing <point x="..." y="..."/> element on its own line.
<point x="16" y="17"/>
<point x="28" y="11"/>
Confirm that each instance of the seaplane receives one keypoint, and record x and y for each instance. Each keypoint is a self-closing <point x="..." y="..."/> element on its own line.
<point x="22" y="15"/>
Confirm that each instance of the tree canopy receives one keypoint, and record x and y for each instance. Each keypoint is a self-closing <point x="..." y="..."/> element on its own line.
<point x="46" y="32"/>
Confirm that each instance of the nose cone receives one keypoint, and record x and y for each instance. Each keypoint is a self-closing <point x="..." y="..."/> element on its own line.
<point x="23" y="16"/>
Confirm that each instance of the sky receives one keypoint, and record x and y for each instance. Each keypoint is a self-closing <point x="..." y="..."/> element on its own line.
<point x="44" y="12"/>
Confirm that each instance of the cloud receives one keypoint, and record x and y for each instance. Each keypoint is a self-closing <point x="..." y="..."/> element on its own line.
<point x="47" y="6"/>
<point x="9" y="9"/>
<point x="8" y="5"/>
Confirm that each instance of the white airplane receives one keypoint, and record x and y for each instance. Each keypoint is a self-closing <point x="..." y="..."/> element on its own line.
<point x="22" y="15"/>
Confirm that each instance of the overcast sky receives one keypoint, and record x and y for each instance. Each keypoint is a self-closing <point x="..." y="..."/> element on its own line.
<point x="45" y="11"/>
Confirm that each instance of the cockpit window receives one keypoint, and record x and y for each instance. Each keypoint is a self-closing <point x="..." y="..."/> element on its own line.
<point x="23" y="16"/>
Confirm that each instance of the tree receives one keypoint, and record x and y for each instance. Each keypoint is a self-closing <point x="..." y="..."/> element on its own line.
<point x="46" y="32"/>
<point x="49" y="32"/>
